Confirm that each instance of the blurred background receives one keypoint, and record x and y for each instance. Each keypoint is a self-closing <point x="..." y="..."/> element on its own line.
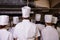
<point x="13" y="8"/>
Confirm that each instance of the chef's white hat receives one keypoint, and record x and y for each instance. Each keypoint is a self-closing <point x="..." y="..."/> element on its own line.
<point x="38" y="17"/>
<point x="15" y="20"/>
<point x="26" y="11"/>
<point x="48" y="18"/>
<point x="4" y="20"/>
<point x="55" y="19"/>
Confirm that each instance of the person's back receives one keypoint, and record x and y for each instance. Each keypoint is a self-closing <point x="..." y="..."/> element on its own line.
<point x="11" y="30"/>
<point x="14" y="22"/>
<point x="25" y="30"/>
<point x="40" y="26"/>
<point x="5" y="35"/>
<point x="50" y="33"/>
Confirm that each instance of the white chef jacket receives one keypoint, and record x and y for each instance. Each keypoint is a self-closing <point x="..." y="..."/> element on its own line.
<point x="26" y="31"/>
<point x="11" y="30"/>
<point x="50" y="33"/>
<point x="40" y="28"/>
<point x="5" y="35"/>
<point x="58" y="29"/>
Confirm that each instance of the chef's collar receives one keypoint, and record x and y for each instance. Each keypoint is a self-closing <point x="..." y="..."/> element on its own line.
<point x="48" y="26"/>
<point x="24" y="20"/>
<point x="3" y="29"/>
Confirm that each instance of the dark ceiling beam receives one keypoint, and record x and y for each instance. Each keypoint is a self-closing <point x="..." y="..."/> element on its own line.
<point x="57" y="6"/>
<point x="54" y="2"/>
<point x="49" y="3"/>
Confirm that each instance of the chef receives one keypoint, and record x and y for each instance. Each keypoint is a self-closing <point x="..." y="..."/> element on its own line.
<point x="49" y="33"/>
<point x="38" y="22"/>
<point x="54" y="21"/>
<point x="58" y="29"/>
<point x="26" y="30"/>
<point x="39" y="25"/>
<point x="15" y="21"/>
<point x="4" y="34"/>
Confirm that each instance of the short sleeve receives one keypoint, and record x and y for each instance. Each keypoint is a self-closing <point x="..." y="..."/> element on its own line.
<point x="37" y="32"/>
<point x="10" y="37"/>
<point x="15" y="33"/>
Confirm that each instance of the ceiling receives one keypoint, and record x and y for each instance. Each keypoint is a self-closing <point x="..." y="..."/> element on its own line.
<point x="53" y="3"/>
<point x="15" y="5"/>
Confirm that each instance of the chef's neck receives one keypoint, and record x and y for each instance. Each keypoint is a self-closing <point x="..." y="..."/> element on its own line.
<point x="2" y="26"/>
<point x="14" y="25"/>
<point x="26" y="18"/>
<point x="48" y="24"/>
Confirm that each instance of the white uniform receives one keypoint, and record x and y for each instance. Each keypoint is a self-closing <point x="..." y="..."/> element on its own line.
<point x="38" y="18"/>
<point x="11" y="30"/>
<point x="50" y="33"/>
<point x="15" y="21"/>
<point x="39" y="26"/>
<point x="55" y="19"/>
<point x="4" y="34"/>
<point x="26" y="31"/>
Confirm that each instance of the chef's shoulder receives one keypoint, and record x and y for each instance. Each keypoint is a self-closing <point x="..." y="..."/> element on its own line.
<point x="33" y="24"/>
<point x="9" y="32"/>
<point x="47" y="29"/>
<point x="44" y="30"/>
<point x="18" y="24"/>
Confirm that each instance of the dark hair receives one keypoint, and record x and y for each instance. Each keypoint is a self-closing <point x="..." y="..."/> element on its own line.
<point x="26" y="18"/>
<point x="13" y="25"/>
<point x="2" y="26"/>
<point x="49" y="23"/>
